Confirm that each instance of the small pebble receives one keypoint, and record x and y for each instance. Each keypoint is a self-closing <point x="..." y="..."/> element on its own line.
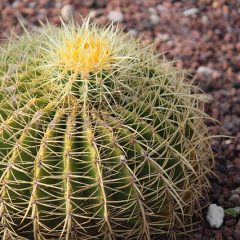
<point x="205" y="70"/>
<point x="204" y="19"/>
<point x="162" y="37"/>
<point x="152" y="10"/>
<point x="190" y="12"/>
<point x="67" y="12"/>
<point x="133" y="32"/>
<point x="15" y="4"/>
<point x="161" y="8"/>
<point x="88" y="3"/>
<point x="229" y="141"/>
<point x="238" y="147"/>
<point x="215" y="215"/>
<point x="237" y="190"/>
<point x="115" y="16"/>
<point x="32" y="4"/>
<point x="155" y="19"/>
<point x="235" y="198"/>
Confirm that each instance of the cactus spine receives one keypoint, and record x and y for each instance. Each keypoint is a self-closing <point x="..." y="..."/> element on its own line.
<point x="99" y="139"/>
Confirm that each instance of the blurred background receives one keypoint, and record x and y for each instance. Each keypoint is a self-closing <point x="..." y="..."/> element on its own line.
<point x="202" y="36"/>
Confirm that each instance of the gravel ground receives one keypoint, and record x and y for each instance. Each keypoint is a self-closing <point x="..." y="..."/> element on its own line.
<point x="203" y="36"/>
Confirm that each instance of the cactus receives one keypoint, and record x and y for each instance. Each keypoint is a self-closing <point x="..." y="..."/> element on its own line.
<point x="100" y="138"/>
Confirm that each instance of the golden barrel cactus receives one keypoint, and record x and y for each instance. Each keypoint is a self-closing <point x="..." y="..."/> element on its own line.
<point x="100" y="138"/>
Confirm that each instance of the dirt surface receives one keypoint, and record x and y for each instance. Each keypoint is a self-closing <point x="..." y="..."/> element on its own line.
<point x="201" y="35"/>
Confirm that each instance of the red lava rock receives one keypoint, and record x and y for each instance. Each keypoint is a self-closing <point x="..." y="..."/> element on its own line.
<point x="230" y="223"/>
<point x="100" y="3"/>
<point x="237" y="235"/>
<point x="238" y="225"/>
<point x="227" y="232"/>
<point x="236" y="180"/>
<point x="209" y="232"/>
<point x="218" y="235"/>
<point x="226" y="193"/>
<point x="235" y="198"/>
<point x="87" y="3"/>
<point x="28" y="11"/>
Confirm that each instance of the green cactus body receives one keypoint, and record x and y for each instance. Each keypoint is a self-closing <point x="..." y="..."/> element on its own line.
<point x="99" y="139"/>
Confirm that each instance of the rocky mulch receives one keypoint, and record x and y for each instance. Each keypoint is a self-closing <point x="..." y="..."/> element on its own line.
<point x="202" y="36"/>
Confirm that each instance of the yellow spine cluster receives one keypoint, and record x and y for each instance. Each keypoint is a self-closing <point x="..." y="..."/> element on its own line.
<point x="84" y="53"/>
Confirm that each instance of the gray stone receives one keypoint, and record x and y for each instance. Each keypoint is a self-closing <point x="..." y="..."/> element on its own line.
<point x="115" y="16"/>
<point x="205" y="70"/>
<point x="155" y="19"/>
<point x="238" y="147"/>
<point x="235" y="198"/>
<point x="161" y="8"/>
<point x="163" y="37"/>
<point x="215" y="215"/>
<point x="229" y="141"/>
<point x="237" y="190"/>
<point x="204" y="19"/>
<point x="88" y="3"/>
<point x="133" y="32"/>
<point x="190" y="12"/>
<point x="152" y="10"/>
<point x="67" y="12"/>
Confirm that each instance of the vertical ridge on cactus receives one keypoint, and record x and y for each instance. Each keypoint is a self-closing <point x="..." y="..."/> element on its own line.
<point x="100" y="138"/>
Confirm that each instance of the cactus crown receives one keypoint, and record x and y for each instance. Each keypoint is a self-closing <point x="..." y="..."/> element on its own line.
<point x="84" y="51"/>
<point x="100" y="138"/>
